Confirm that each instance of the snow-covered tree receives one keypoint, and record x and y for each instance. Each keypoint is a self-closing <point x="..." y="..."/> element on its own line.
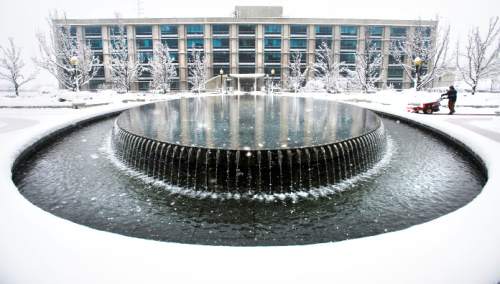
<point x="62" y="55"/>
<point x="124" y="72"/>
<point x="433" y="55"/>
<point x="12" y="65"/>
<point x="368" y="66"/>
<point x="326" y="69"/>
<point x="481" y="59"/>
<point x="296" y="77"/>
<point x="198" y="70"/>
<point x="163" y="68"/>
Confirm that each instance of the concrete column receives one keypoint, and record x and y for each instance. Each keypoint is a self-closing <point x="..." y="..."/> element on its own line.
<point x="386" y="44"/>
<point x="259" y="49"/>
<point x="233" y="48"/>
<point x="156" y="36"/>
<point x="362" y="37"/>
<point x="183" y="71"/>
<point x="311" y="48"/>
<point x="80" y="37"/>
<point x="336" y="43"/>
<point x="132" y="55"/>
<point x="207" y="38"/>
<point x="285" y="53"/>
<point x="407" y="80"/>
<point x="106" y="53"/>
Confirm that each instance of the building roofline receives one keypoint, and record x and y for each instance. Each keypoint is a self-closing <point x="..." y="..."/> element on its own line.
<point x="232" y="20"/>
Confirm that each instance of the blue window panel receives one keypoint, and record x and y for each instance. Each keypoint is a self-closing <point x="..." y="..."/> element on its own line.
<point x="175" y="57"/>
<point x="393" y="60"/>
<point x="247" y="69"/>
<point x="246" y="57"/>
<point x="144" y="85"/>
<point x="72" y="31"/>
<point x="272" y="43"/>
<point x="194" y="43"/>
<point x="220" y="29"/>
<point x="143" y="30"/>
<point x="298" y="29"/>
<point x="168" y="29"/>
<point x="320" y="41"/>
<point x="398" y="31"/>
<point x="375" y="44"/>
<point x="272" y="29"/>
<point x="323" y="30"/>
<point x="303" y="57"/>
<point x="272" y="57"/>
<point x="395" y="72"/>
<point x="246" y="42"/>
<point x="145" y="57"/>
<point x="348" y="44"/>
<point x="296" y="43"/>
<point x="194" y="29"/>
<point x="348" y="58"/>
<point x="99" y="56"/>
<point x="92" y="31"/>
<point x="217" y="68"/>
<point x="424" y="31"/>
<point x="348" y="30"/>
<point x="144" y="43"/>
<point x="191" y="56"/>
<point x="246" y="29"/>
<point x="117" y="30"/>
<point x="94" y="44"/>
<point x="376" y="31"/>
<point x="172" y="43"/>
<point x="100" y="71"/>
<point x="115" y="43"/>
<point x="220" y="43"/>
<point x="221" y="57"/>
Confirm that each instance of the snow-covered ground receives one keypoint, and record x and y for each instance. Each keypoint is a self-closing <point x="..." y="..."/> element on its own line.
<point x="460" y="247"/>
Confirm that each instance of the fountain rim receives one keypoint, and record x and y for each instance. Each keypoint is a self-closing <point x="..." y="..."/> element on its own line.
<point x="378" y="126"/>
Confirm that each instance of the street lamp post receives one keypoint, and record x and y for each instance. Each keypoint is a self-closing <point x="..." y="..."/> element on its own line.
<point x="418" y="70"/>
<point x="74" y="62"/>
<point x="272" y="80"/>
<point x="221" y="72"/>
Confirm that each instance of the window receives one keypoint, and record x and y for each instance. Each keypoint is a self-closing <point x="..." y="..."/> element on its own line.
<point x="220" y="29"/>
<point x="348" y="31"/>
<point x="272" y="43"/>
<point x="93" y="31"/>
<point x="194" y="43"/>
<point x="246" y="29"/>
<point x="272" y="29"/>
<point x="145" y="43"/>
<point x="298" y="29"/>
<point x="72" y="31"/>
<point x="143" y="30"/>
<point x="190" y="56"/>
<point x="348" y="58"/>
<point x="221" y="57"/>
<point x="175" y="57"/>
<point x="377" y="44"/>
<point x="100" y="71"/>
<point x="99" y="57"/>
<point x="145" y="57"/>
<point x="398" y="31"/>
<point x="277" y="70"/>
<point x="246" y="57"/>
<point x="117" y="43"/>
<point x="94" y="44"/>
<point x="246" y="43"/>
<point x="320" y="41"/>
<point x="296" y="43"/>
<point x="117" y="30"/>
<point x="96" y="84"/>
<point x="220" y="43"/>
<point x="247" y="69"/>
<point x="323" y="30"/>
<point x="393" y="60"/>
<point x="395" y="72"/>
<point x="194" y="29"/>
<point x="217" y="68"/>
<point x="303" y="57"/>
<point x="144" y="85"/>
<point x="172" y="43"/>
<point x="424" y="31"/>
<point x="376" y="31"/>
<point x="272" y="57"/>
<point x="168" y="29"/>
<point x="348" y="44"/>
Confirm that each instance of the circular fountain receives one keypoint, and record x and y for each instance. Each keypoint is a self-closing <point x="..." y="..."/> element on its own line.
<point x="249" y="144"/>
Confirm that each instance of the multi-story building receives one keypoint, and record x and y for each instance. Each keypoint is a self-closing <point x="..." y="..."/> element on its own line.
<point x="256" y="40"/>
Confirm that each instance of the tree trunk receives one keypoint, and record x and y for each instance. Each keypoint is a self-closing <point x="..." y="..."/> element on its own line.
<point x="474" y="89"/>
<point x="16" y="88"/>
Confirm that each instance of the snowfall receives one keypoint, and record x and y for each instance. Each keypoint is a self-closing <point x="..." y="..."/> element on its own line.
<point x="37" y="247"/>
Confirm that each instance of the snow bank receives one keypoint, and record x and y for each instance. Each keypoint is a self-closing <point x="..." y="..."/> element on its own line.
<point x="37" y="247"/>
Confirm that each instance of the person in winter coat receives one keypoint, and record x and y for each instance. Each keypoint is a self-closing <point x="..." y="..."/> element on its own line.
<point x="451" y="95"/>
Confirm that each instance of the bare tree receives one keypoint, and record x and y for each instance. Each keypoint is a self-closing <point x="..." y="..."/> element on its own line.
<point x="326" y="69"/>
<point x="163" y="68"/>
<point x="368" y="66"/>
<point x="62" y="55"/>
<point x="481" y="58"/>
<point x="433" y="55"/>
<point x="11" y="66"/>
<point x="198" y="70"/>
<point x="296" y="77"/>
<point x="124" y="71"/>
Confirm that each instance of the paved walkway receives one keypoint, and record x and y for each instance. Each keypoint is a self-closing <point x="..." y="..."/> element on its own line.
<point x="488" y="126"/>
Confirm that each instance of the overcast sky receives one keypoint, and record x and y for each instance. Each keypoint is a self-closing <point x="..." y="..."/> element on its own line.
<point x="21" y="19"/>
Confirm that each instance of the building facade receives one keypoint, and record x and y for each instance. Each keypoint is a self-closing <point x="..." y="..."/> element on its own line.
<point x="255" y="40"/>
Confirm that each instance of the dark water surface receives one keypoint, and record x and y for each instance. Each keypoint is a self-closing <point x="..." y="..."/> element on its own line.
<point x="73" y="178"/>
